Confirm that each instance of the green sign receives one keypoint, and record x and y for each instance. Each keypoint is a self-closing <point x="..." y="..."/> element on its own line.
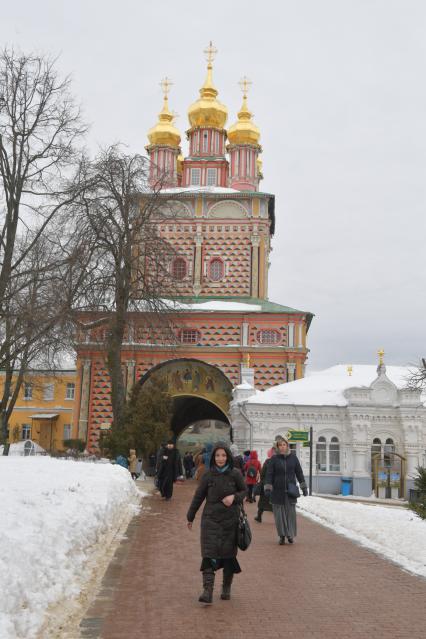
<point x="298" y="436"/>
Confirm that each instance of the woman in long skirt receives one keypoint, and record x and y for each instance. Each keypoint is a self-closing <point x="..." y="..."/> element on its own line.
<point x="223" y="490"/>
<point x="280" y="485"/>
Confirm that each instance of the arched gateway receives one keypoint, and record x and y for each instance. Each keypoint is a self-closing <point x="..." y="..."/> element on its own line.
<point x="201" y="394"/>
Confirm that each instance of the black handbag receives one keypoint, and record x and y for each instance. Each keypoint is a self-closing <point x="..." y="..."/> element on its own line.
<point x="292" y="490"/>
<point x="243" y="531"/>
<point x="257" y="490"/>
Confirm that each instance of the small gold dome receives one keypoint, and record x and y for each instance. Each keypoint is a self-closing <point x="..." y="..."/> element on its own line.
<point x="207" y="111"/>
<point x="164" y="132"/>
<point x="244" y="131"/>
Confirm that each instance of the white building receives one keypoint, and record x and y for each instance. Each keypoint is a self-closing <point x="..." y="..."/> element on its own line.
<point x="364" y="421"/>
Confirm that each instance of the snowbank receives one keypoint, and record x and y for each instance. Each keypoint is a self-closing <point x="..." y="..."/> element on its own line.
<point x="53" y="513"/>
<point x="395" y="533"/>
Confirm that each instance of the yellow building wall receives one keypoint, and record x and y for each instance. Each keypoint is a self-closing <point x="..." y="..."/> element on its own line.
<point x="47" y="433"/>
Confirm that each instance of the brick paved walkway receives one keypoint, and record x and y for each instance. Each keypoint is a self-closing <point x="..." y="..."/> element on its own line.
<point x="323" y="586"/>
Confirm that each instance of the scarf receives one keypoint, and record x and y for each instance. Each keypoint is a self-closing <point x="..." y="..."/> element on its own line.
<point x="222" y="470"/>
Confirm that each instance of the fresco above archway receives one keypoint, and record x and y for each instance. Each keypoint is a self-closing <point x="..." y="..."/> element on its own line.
<point x="191" y="377"/>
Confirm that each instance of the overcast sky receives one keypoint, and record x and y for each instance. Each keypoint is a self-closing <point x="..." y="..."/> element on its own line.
<point x="339" y="94"/>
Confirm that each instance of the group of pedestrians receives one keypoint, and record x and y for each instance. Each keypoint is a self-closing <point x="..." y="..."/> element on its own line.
<point x="229" y="479"/>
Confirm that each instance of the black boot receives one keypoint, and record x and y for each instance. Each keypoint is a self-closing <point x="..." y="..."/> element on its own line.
<point x="208" y="584"/>
<point x="226" y="585"/>
<point x="290" y="540"/>
<point x="282" y="541"/>
<point x="259" y="516"/>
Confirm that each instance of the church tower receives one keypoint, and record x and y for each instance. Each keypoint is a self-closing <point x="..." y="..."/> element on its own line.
<point x="163" y="148"/>
<point x="227" y="331"/>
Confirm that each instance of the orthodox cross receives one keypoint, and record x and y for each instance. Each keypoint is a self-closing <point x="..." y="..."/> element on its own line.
<point x="381" y="353"/>
<point x="210" y="52"/>
<point x="165" y="85"/>
<point x="245" y="85"/>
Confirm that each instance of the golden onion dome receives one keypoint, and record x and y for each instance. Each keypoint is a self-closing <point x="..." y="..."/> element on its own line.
<point x="207" y="111"/>
<point x="244" y="131"/>
<point x="164" y="132"/>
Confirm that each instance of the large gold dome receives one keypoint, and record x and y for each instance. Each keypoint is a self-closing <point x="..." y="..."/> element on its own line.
<point x="164" y="132"/>
<point x="207" y="111"/>
<point x="244" y="131"/>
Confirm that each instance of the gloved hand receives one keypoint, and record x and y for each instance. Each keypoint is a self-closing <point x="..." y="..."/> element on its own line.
<point x="305" y="492"/>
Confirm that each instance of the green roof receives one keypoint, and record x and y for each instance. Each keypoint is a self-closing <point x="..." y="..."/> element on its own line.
<point x="265" y="305"/>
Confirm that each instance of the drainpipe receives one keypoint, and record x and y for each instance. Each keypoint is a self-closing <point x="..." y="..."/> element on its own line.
<point x="244" y="414"/>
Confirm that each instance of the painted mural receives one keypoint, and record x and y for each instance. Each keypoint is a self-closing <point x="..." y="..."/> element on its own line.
<point x="193" y="378"/>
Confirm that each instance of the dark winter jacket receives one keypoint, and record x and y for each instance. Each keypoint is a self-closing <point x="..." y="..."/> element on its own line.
<point x="218" y="522"/>
<point x="253" y="462"/>
<point x="169" y="464"/>
<point x="282" y="470"/>
<point x="264" y="502"/>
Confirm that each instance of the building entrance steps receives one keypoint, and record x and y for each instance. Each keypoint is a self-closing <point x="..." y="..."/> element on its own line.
<point x="322" y="587"/>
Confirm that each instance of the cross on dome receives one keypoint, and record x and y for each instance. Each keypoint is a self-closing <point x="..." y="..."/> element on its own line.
<point x="210" y="53"/>
<point x="245" y="85"/>
<point x="165" y="85"/>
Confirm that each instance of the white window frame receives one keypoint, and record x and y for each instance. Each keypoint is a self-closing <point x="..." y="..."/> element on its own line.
<point x="334" y="447"/>
<point x="205" y="141"/>
<point x="26" y="428"/>
<point x="69" y="428"/>
<point x="70" y="391"/>
<point x="321" y="447"/>
<point x="196" y="177"/>
<point x="211" y="174"/>
<point x="28" y="391"/>
<point x="48" y="392"/>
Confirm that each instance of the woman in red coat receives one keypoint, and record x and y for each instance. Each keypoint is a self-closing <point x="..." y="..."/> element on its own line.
<point x="252" y="474"/>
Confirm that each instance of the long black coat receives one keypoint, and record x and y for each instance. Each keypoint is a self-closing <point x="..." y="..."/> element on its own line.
<point x="264" y="502"/>
<point x="282" y="470"/>
<point x="218" y="522"/>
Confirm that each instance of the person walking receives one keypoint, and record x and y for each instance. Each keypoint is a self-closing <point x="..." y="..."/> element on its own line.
<point x="280" y="485"/>
<point x="169" y="469"/>
<point x="264" y="503"/>
<point x="133" y="460"/>
<point x="222" y="488"/>
<point x="188" y="464"/>
<point x="252" y="474"/>
<point x="238" y="459"/>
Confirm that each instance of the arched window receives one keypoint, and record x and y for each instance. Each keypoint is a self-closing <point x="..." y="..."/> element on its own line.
<point x="179" y="268"/>
<point x="216" y="270"/>
<point x="190" y="336"/>
<point x="268" y="336"/>
<point x="334" y="454"/>
<point x="389" y="449"/>
<point x="321" y="454"/>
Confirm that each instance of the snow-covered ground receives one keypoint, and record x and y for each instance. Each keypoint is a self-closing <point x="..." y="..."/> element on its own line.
<point x="55" y="515"/>
<point x="395" y="533"/>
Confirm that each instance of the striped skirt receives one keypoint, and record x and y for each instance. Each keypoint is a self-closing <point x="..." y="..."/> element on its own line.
<point x="285" y="518"/>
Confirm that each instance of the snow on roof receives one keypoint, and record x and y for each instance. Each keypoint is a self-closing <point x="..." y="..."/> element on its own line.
<point x="245" y="385"/>
<point x="199" y="189"/>
<point x="326" y="388"/>
<point x="217" y="305"/>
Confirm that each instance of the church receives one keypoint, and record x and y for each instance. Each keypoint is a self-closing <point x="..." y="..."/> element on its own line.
<point x="227" y="330"/>
<point x="369" y="426"/>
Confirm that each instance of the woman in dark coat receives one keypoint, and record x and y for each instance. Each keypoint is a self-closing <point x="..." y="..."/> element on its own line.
<point x="264" y="502"/>
<point x="281" y="474"/>
<point x="223" y="489"/>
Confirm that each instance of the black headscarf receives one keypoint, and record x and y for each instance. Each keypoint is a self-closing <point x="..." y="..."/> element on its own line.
<point x="229" y="457"/>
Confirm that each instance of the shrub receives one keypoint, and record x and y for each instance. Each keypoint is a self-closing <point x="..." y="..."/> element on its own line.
<point x="420" y="484"/>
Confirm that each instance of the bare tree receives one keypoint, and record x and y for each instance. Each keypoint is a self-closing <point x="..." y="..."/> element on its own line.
<point x="417" y="378"/>
<point x="39" y="129"/>
<point x="118" y="218"/>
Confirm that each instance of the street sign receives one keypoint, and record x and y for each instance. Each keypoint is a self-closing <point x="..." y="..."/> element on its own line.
<point x="298" y="436"/>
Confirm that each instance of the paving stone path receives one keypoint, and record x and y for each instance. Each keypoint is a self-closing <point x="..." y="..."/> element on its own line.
<point x="322" y="587"/>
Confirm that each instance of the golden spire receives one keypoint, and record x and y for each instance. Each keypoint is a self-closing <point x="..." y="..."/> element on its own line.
<point x="349" y="369"/>
<point x="244" y="131"/>
<point x="381" y="354"/>
<point x="164" y="132"/>
<point x="207" y="111"/>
